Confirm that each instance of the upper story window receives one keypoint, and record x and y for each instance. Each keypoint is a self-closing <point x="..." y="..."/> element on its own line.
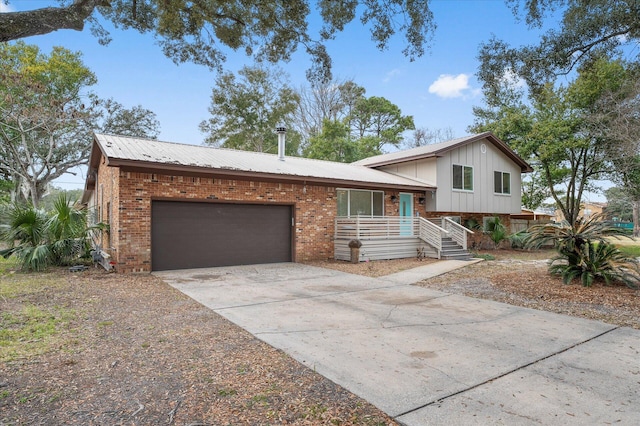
<point x="502" y="182"/>
<point x="360" y="202"/>
<point x="462" y="177"/>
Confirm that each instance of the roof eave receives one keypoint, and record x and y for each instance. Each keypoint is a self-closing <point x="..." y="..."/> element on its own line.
<point x="524" y="166"/>
<point x="164" y="168"/>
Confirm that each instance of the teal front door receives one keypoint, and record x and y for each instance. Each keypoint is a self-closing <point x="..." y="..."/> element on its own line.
<point x="406" y="214"/>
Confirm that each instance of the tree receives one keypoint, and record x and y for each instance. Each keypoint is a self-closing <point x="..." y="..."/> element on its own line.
<point x="334" y="144"/>
<point x="619" y="204"/>
<point x="203" y="31"/>
<point x="136" y="122"/>
<point x="553" y="133"/>
<point x="534" y="190"/>
<point x="245" y="111"/>
<point x="377" y="117"/>
<point x="331" y="100"/>
<point x="588" y="28"/>
<point x="54" y="193"/>
<point x="616" y="120"/>
<point x="424" y="136"/>
<point x="45" y="119"/>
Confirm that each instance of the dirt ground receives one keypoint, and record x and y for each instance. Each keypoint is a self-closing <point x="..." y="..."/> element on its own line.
<point x="138" y="352"/>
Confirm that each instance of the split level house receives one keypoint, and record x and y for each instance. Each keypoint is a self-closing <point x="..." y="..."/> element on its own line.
<point x="177" y="206"/>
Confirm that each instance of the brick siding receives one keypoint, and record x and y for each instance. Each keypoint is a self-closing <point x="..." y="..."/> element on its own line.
<point x="130" y="195"/>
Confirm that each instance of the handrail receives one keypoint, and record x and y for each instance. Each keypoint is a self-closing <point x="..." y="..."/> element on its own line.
<point x="432" y="234"/>
<point x="458" y="233"/>
<point x="456" y="224"/>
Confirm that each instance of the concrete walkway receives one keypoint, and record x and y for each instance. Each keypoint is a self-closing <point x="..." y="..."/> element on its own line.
<point x="427" y="357"/>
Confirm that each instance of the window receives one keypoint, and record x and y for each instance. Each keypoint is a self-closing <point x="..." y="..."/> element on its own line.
<point x="463" y="177"/>
<point x="359" y="202"/>
<point x="502" y="182"/>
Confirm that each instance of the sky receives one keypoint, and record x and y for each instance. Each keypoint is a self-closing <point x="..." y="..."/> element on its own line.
<point x="438" y="89"/>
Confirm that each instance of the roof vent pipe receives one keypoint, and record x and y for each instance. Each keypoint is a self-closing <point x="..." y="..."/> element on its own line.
<point x="281" y="130"/>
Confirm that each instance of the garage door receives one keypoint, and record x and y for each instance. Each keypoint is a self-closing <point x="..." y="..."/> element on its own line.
<point x="198" y="235"/>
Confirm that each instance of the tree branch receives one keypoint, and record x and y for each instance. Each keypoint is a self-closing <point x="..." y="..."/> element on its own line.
<point x="15" y="25"/>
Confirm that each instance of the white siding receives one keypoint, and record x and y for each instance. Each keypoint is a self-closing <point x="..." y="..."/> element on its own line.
<point x="424" y="170"/>
<point x="482" y="199"/>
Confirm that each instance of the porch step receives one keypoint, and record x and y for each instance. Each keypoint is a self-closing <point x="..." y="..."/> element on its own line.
<point x="453" y="251"/>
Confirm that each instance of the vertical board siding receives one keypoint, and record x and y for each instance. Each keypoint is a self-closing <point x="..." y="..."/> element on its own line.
<point x="482" y="199"/>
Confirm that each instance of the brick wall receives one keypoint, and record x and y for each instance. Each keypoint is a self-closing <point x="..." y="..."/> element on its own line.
<point x="314" y="210"/>
<point x="106" y="200"/>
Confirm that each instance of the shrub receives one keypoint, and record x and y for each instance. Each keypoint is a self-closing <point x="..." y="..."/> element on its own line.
<point x="39" y="240"/>
<point x="584" y="252"/>
<point x="519" y="239"/>
<point x="496" y="230"/>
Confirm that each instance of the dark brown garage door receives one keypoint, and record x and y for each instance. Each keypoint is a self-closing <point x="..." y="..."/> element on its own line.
<point x="198" y="235"/>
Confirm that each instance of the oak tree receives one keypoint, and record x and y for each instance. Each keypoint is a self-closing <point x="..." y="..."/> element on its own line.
<point x="246" y="109"/>
<point x="205" y="31"/>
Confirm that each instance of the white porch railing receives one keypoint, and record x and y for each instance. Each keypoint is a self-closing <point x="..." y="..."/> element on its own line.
<point x="457" y="232"/>
<point x="432" y="234"/>
<point x="380" y="231"/>
<point x="377" y="227"/>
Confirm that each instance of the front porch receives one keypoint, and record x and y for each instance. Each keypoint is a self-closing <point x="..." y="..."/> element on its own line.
<point x="393" y="237"/>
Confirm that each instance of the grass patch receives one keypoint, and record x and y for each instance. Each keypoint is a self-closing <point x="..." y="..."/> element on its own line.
<point x="485" y="256"/>
<point x="13" y="285"/>
<point x="31" y="331"/>
<point x="629" y="250"/>
<point x="30" y="322"/>
<point x="7" y="266"/>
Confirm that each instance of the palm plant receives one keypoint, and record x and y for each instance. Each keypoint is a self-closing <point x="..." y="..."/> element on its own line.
<point x="584" y="252"/>
<point x="596" y="261"/>
<point x="23" y="228"/>
<point x="67" y="227"/>
<point x="39" y="240"/>
<point x="496" y="230"/>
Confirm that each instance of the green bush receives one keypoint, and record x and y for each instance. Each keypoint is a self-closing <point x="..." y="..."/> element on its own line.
<point x="519" y="239"/>
<point x="584" y="252"/>
<point x="496" y="230"/>
<point x="38" y="239"/>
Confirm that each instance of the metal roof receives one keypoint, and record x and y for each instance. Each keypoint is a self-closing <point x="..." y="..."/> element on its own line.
<point x="437" y="149"/>
<point x="151" y="154"/>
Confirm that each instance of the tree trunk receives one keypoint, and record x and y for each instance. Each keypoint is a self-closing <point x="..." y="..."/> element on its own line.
<point x="636" y="225"/>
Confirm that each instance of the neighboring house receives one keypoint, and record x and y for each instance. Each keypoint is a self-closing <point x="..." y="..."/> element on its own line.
<point x="175" y="206"/>
<point x="587" y="210"/>
<point x="528" y="214"/>
<point x="527" y="218"/>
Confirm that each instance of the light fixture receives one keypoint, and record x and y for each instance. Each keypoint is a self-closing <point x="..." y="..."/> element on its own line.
<point x="421" y="200"/>
<point x="394" y="199"/>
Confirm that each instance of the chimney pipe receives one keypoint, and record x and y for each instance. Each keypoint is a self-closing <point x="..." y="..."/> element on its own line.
<point x="281" y="130"/>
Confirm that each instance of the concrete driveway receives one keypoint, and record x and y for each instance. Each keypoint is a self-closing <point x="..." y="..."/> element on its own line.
<point x="427" y="357"/>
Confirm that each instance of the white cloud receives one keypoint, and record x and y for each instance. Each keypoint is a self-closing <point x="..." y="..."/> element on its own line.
<point x="5" y="7"/>
<point x="450" y="86"/>
<point x="391" y="74"/>
<point x="513" y="80"/>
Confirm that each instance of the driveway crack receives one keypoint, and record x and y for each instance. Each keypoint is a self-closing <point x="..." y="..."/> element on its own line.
<point x="477" y="385"/>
